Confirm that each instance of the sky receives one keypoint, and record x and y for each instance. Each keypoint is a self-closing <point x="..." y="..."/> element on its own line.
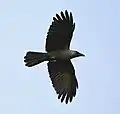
<point x="23" y="27"/>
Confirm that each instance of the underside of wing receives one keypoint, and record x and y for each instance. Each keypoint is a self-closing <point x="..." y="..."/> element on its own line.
<point x="60" y="32"/>
<point x="63" y="78"/>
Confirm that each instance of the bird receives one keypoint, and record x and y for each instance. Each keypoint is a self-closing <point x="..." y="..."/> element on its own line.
<point x="58" y="56"/>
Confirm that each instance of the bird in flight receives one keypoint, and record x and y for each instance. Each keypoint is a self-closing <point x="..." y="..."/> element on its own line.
<point x="59" y="55"/>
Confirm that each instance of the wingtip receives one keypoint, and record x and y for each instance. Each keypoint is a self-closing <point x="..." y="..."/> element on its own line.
<point x="66" y="11"/>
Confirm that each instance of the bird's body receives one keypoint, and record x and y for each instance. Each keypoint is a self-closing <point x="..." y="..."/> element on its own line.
<point x="59" y="56"/>
<point x="62" y="54"/>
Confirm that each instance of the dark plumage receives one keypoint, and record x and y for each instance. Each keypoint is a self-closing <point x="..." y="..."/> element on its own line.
<point x="60" y="32"/>
<point x="60" y="68"/>
<point x="63" y="78"/>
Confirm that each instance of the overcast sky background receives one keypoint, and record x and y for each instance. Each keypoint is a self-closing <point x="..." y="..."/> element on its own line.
<point x="24" y="25"/>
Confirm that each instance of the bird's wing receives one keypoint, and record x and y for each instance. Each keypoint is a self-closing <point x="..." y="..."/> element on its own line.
<point x="63" y="78"/>
<point x="60" y="32"/>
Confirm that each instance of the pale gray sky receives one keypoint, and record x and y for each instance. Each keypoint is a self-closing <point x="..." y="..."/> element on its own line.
<point x="24" y="25"/>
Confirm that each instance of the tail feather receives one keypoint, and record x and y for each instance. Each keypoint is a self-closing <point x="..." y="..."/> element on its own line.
<point x="34" y="58"/>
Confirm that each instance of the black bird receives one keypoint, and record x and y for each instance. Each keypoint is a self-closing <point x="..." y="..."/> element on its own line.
<point x="58" y="55"/>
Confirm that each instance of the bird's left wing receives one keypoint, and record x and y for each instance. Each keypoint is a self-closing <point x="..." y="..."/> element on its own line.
<point x="63" y="78"/>
<point x="60" y="32"/>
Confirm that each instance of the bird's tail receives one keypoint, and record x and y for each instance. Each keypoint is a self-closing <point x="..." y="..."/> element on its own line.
<point x="34" y="58"/>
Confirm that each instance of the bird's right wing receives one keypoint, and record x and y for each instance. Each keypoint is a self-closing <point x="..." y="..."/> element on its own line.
<point x="63" y="78"/>
<point x="60" y="32"/>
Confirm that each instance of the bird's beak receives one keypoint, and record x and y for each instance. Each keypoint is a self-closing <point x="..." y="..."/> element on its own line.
<point x="80" y="54"/>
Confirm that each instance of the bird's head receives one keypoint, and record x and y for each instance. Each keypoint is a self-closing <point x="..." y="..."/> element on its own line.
<point x="77" y="54"/>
